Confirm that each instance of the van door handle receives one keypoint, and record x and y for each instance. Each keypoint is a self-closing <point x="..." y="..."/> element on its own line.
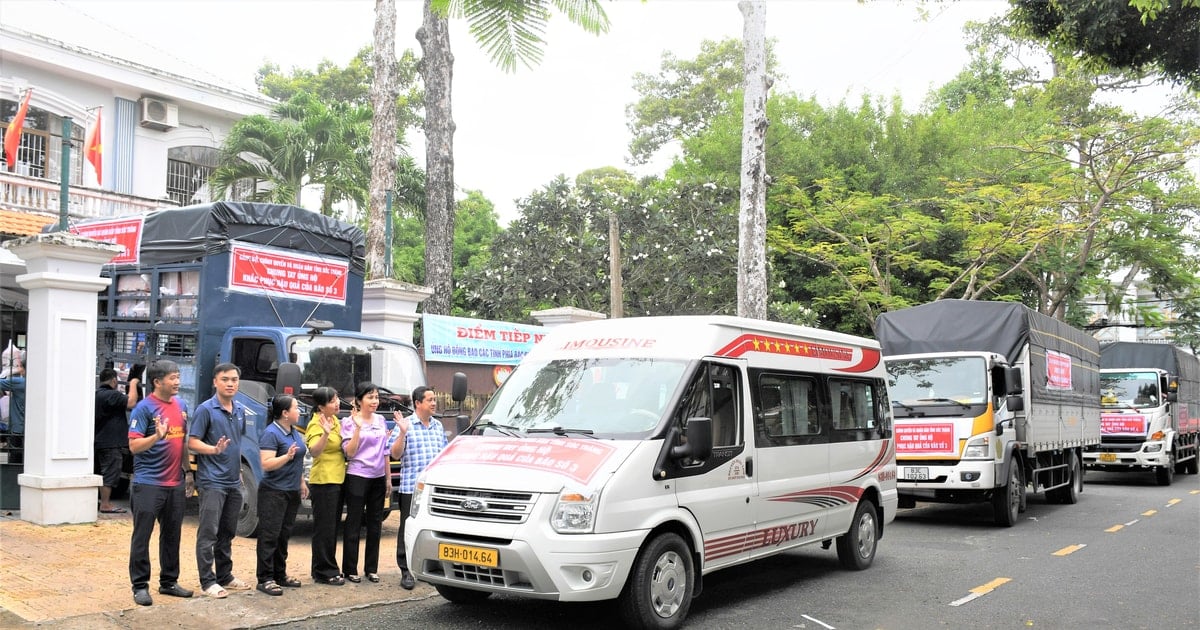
<point x="749" y="466"/>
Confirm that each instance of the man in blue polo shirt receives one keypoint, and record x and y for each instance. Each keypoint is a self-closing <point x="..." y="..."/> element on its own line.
<point x="212" y="438"/>
<point x="416" y="440"/>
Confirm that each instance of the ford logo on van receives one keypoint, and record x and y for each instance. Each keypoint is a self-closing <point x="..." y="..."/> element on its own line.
<point x="473" y="505"/>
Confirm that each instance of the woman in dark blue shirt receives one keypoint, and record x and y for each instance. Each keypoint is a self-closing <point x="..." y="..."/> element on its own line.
<point x="281" y="450"/>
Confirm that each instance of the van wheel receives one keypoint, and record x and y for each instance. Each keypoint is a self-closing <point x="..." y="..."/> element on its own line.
<point x="856" y="548"/>
<point x="461" y="595"/>
<point x="1006" y="501"/>
<point x="1164" y="475"/>
<point x="658" y="593"/>
<point x="248" y="515"/>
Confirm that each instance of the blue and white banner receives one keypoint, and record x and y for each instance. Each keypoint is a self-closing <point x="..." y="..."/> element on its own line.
<point x="465" y="340"/>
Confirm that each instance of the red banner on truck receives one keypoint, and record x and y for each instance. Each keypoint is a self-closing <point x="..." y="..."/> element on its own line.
<point x="925" y="438"/>
<point x="261" y="270"/>
<point x="1122" y="424"/>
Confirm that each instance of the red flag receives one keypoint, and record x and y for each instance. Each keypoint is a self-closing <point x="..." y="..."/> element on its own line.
<point x="12" y="139"/>
<point x="93" y="150"/>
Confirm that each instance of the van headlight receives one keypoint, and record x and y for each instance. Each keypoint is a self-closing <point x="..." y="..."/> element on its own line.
<point x="575" y="511"/>
<point x="978" y="448"/>
<point x="418" y="492"/>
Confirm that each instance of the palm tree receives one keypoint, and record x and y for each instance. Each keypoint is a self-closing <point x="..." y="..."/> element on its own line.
<point x="303" y="142"/>
<point x="511" y="33"/>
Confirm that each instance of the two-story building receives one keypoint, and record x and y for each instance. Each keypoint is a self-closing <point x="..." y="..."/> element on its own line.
<point x="160" y="134"/>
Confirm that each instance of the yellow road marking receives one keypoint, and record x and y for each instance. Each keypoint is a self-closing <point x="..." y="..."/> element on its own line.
<point x="990" y="586"/>
<point x="1115" y="528"/>
<point x="1068" y="550"/>
<point x="1194" y="492"/>
<point x="1173" y="502"/>
<point x="1149" y="512"/>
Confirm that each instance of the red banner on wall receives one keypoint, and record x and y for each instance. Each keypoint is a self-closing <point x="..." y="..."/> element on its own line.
<point x="124" y="232"/>
<point x="259" y="270"/>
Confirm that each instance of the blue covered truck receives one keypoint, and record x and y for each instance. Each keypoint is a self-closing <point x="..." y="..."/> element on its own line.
<point x="275" y="289"/>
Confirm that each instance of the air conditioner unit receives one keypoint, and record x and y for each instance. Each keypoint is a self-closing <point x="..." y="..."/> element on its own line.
<point x="158" y="114"/>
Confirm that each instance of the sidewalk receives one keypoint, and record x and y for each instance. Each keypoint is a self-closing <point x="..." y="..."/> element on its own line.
<point x="77" y="576"/>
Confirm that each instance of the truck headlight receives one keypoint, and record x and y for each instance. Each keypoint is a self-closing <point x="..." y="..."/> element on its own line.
<point x="978" y="448"/>
<point x="418" y="492"/>
<point x="575" y="511"/>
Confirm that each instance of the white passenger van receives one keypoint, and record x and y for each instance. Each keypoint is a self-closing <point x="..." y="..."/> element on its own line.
<point x="625" y="459"/>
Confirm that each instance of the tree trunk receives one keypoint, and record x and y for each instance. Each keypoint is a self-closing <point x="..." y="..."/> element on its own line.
<point x="616" y="290"/>
<point x="752" y="221"/>
<point x="383" y="136"/>
<point x="436" y="72"/>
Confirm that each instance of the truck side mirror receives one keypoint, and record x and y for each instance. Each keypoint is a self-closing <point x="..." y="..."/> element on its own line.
<point x="458" y="387"/>
<point x="287" y="380"/>
<point x="1012" y="381"/>
<point x="1015" y="403"/>
<point x="697" y="442"/>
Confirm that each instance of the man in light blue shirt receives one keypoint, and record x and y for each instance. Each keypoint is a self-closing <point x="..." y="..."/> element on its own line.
<point x="415" y="441"/>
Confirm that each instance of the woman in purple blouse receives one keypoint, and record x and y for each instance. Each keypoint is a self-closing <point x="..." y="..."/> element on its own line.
<point x="364" y="440"/>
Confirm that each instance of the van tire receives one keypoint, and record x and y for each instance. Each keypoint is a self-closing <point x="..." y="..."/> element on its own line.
<point x="248" y="516"/>
<point x="856" y="548"/>
<point x="659" y="590"/>
<point x="458" y="595"/>
<point x="1006" y="500"/>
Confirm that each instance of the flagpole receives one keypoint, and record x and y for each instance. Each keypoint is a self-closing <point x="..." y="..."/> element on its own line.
<point x="64" y="177"/>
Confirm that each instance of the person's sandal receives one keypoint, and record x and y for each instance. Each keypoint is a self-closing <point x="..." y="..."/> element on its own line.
<point x="374" y="577"/>
<point x="353" y="578"/>
<point x="336" y="580"/>
<point x="270" y="588"/>
<point x="290" y="582"/>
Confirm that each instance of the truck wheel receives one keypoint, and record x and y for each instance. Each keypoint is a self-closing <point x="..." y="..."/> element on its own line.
<point x="658" y="593"/>
<point x="856" y="548"/>
<point x="248" y="516"/>
<point x="1006" y="502"/>
<point x="1165" y="474"/>
<point x="461" y="595"/>
<point x="905" y="502"/>
<point x="1193" y="463"/>
<point x="1069" y="494"/>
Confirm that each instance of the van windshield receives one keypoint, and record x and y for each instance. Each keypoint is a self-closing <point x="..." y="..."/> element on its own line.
<point x="604" y="396"/>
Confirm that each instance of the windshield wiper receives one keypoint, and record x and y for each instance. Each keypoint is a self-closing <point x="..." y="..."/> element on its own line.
<point x="946" y="400"/>
<point x="505" y="429"/>
<point x="561" y="431"/>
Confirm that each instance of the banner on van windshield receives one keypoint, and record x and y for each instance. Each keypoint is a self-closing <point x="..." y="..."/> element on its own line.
<point x="465" y="340"/>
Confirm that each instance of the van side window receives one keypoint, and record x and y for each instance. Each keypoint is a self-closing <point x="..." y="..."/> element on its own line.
<point x="714" y="394"/>
<point x="787" y="406"/>
<point x="854" y="405"/>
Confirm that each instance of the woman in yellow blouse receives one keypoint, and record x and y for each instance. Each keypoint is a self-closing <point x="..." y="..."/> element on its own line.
<point x="324" y="439"/>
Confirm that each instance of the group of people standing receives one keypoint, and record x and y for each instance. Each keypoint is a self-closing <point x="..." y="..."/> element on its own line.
<point x="351" y="467"/>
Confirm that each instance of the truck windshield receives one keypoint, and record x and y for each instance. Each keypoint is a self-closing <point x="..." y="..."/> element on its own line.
<point x="945" y="380"/>
<point x="1121" y="389"/>
<point x="605" y="396"/>
<point x="342" y="362"/>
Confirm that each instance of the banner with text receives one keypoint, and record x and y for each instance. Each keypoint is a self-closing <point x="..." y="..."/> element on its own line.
<point x="124" y="232"/>
<point x="254" y="269"/>
<point x="465" y="340"/>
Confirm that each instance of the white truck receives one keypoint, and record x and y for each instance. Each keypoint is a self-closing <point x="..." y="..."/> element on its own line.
<point x="1150" y="394"/>
<point x="625" y="459"/>
<point x="991" y="400"/>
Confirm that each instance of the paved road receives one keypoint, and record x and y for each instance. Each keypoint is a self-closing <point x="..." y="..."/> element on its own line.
<point x="1126" y="556"/>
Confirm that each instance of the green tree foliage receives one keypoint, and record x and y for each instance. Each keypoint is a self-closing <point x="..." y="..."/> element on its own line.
<point x="304" y="141"/>
<point x="511" y="32"/>
<point x="1160" y="36"/>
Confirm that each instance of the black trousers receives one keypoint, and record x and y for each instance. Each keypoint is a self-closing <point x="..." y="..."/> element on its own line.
<point x="276" y="515"/>
<point x="401" y="556"/>
<point x="327" y="511"/>
<point x="364" y="506"/>
<point x="151" y="504"/>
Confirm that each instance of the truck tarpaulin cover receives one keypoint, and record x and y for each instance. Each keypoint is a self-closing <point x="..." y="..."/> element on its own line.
<point x="186" y="234"/>
<point x="1001" y="327"/>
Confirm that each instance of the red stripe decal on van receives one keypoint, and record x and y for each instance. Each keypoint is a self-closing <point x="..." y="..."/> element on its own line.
<point x="779" y="345"/>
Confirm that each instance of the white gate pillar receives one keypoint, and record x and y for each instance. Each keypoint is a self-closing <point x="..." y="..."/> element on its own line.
<point x="62" y="277"/>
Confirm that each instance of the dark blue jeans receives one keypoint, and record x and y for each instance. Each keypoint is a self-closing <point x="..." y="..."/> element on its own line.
<point x="219" y="508"/>
<point x="276" y="516"/>
<point x="150" y="504"/>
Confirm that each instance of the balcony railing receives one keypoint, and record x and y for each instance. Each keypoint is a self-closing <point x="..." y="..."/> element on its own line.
<point x="31" y="194"/>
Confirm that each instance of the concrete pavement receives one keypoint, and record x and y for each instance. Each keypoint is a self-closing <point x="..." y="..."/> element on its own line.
<point x="76" y="576"/>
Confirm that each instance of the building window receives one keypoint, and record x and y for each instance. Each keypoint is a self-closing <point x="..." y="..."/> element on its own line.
<point x="40" y="152"/>
<point x="188" y="169"/>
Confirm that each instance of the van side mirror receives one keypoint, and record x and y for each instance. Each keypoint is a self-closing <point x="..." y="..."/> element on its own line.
<point x="697" y="442"/>
<point x="462" y="422"/>
<point x="458" y="387"/>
